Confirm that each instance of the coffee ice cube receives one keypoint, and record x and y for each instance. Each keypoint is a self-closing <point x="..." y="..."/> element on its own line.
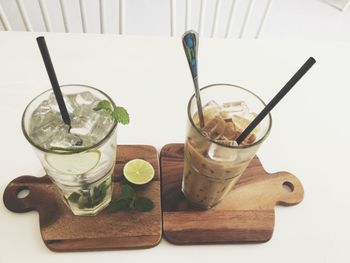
<point x="250" y="139"/>
<point x="210" y="110"/>
<point x="230" y="132"/>
<point x="215" y="127"/>
<point x="242" y="123"/>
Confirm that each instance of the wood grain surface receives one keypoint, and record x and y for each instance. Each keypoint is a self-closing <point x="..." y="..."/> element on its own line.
<point x="245" y="215"/>
<point x="63" y="231"/>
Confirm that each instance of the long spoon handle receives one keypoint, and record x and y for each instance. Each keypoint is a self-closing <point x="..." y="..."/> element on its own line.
<point x="190" y="44"/>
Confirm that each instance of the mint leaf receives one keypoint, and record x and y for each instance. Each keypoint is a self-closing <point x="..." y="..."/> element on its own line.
<point x="104" y="105"/>
<point x="128" y="200"/>
<point x="99" y="193"/>
<point x="123" y="180"/>
<point x="127" y="191"/>
<point x="119" y="205"/>
<point x="85" y="201"/>
<point x="74" y="197"/>
<point x="121" y="115"/>
<point x="143" y="204"/>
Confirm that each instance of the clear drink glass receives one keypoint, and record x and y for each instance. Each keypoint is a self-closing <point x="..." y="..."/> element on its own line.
<point x="212" y="168"/>
<point x="83" y="175"/>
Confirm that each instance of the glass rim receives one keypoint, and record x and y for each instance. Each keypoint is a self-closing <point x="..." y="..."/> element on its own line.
<point x="83" y="149"/>
<point x="241" y="146"/>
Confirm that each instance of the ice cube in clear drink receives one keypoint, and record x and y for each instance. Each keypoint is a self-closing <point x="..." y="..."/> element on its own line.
<point x="48" y="130"/>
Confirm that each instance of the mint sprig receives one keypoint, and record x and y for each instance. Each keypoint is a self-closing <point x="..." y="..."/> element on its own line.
<point x="129" y="201"/>
<point x="90" y="199"/>
<point x="143" y="204"/>
<point x="104" y="105"/>
<point x="127" y="191"/>
<point x="119" y="114"/>
<point x="119" y="205"/>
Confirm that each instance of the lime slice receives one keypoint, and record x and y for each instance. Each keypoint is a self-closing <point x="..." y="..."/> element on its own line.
<point x="73" y="164"/>
<point x="138" y="171"/>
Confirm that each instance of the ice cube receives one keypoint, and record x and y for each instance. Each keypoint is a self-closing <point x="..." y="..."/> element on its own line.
<point x="215" y="127"/>
<point x="79" y="121"/>
<point x="91" y="125"/>
<point x="211" y="104"/>
<point x="47" y="128"/>
<point x="42" y="117"/>
<point x="86" y="121"/>
<point x="242" y="123"/>
<point x="210" y="110"/>
<point x="42" y="132"/>
<point x="86" y="98"/>
<point x="230" y="109"/>
<point x="230" y="132"/>
<point x="70" y="102"/>
<point x="221" y="153"/>
<point x="100" y="125"/>
<point x="63" y="139"/>
<point x="79" y="100"/>
<point x="250" y="139"/>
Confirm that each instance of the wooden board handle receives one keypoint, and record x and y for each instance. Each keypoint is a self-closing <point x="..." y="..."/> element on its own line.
<point x="37" y="199"/>
<point x="288" y="189"/>
<point x="264" y="192"/>
<point x="13" y="202"/>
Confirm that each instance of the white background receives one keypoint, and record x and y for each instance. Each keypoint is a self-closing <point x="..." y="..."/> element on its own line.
<point x="288" y="19"/>
<point x="150" y="77"/>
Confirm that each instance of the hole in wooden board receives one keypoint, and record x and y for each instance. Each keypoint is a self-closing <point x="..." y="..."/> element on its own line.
<point x="288" y="186"/>
<point x="23" y="193"/>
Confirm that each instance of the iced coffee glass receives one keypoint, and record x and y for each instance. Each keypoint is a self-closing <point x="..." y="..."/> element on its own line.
<point x="213" y="162"/>
<point x="79" y="161"/>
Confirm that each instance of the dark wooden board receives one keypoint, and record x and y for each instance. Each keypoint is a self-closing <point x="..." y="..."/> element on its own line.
<point x="63" y="231"/>
<point x="245" y="215"/>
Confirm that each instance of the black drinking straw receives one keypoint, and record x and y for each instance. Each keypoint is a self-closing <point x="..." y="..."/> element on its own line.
<point x="297" y="76"/>
<point x="53" y="79"/>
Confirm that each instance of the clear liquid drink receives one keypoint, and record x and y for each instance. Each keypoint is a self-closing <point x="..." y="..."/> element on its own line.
<point x="80" y="161"/>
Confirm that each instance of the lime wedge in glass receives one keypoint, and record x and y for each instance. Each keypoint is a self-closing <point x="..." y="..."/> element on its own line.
<point x="74" y="164"/>
<point x="138" y="171"/>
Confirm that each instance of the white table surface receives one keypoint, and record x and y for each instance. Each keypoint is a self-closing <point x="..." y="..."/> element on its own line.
<point x="150" y="77"/>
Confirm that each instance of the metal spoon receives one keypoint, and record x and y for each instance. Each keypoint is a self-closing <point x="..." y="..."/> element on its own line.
<point x="190" y="44"/>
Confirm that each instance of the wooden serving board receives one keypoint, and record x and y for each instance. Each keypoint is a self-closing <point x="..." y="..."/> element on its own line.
<point x="63" y="231"/>
<point x="245" y="215"/>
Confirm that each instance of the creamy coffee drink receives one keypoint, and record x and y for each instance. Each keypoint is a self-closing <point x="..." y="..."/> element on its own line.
<point x="213" y="162"/>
